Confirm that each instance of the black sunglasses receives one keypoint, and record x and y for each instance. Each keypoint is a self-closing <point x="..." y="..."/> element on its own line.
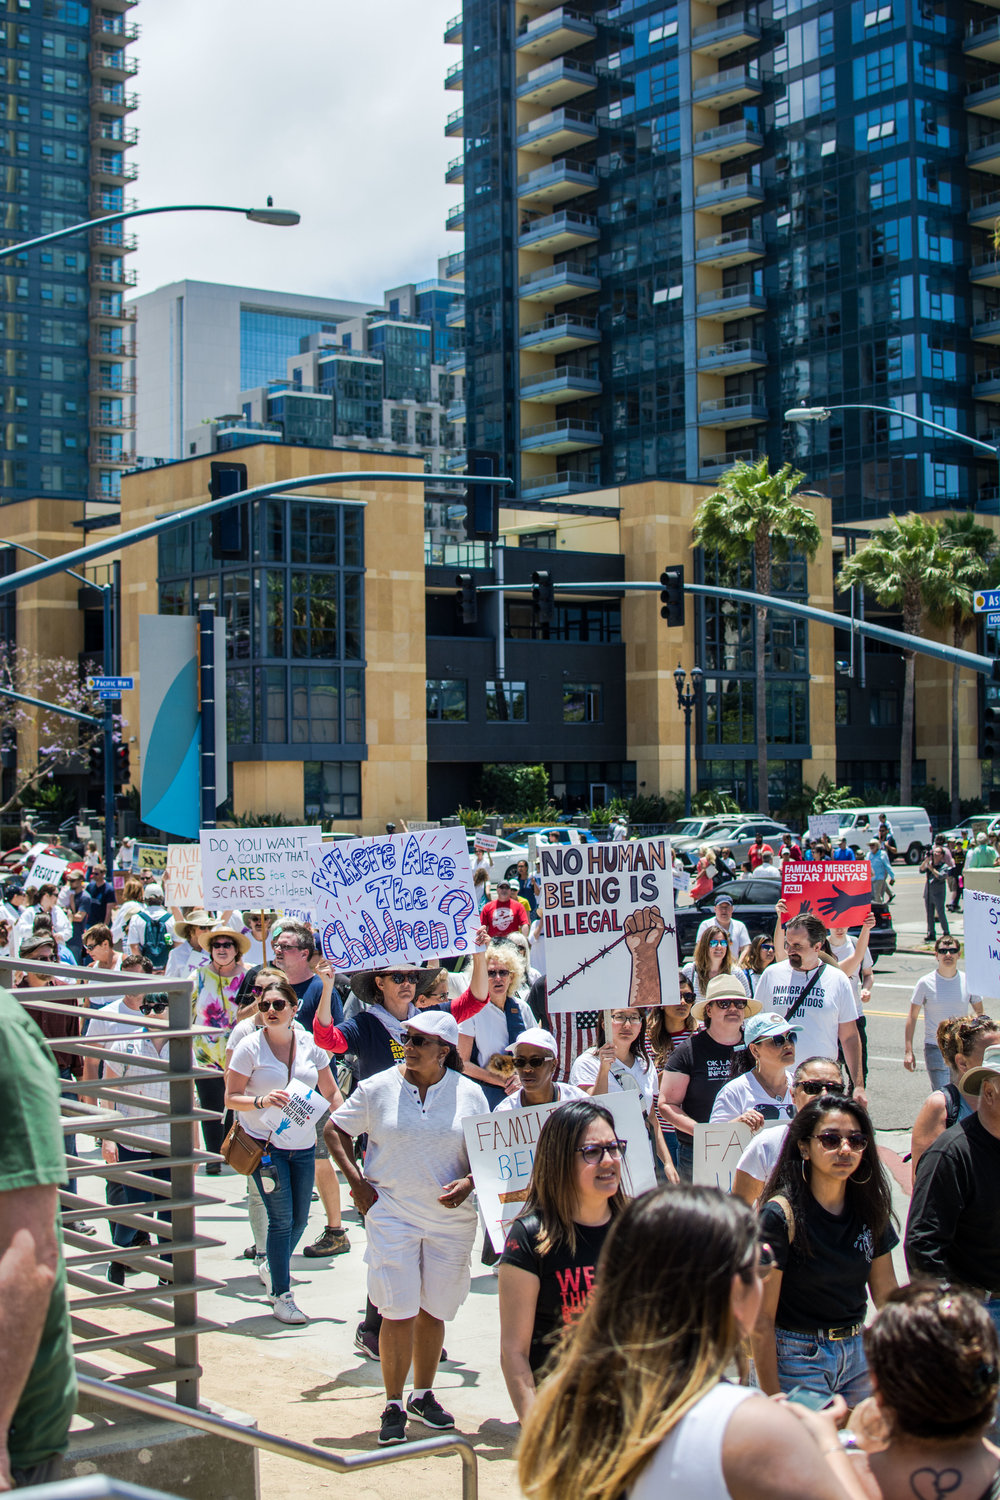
<point x="401" y="976"/>
<point x="521" y="1063"/>
<point x="816" y="1086"/>
<point x="266" y="1005"/>
<point x="417" y="1039"/>
<point x="149" y="1007"/>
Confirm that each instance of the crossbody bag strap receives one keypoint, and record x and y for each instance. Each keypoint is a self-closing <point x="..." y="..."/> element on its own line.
<point x="291" y="1064"/>
<point x="803" y="993"/>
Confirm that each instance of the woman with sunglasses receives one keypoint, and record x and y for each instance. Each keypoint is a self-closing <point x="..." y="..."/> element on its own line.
<point x="188" y="951"/>
<point x="756" y="959"/>
<point x="497" y="977"/>
<point x="827" y="1215"/>
<point x="620" y="1063"/>
<point x="941" y="994"/>
<point x="762" y="1092"/>
<point x="696" y="1070"/>
<point x="815" y="1076"/>
<point x="413" y="1192"/>
<point x="639" y="1406"/>
<point x="262" y="1068"/>
<point x="712" y="957"/>
<point x="548" y="1262"/>
<point x="216" y="986"/>
<point x="668" y="1026"/>
<point x="536" y="1057"/>
<point x="962" y="1041"/>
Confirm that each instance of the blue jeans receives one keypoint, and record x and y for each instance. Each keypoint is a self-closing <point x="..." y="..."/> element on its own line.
<point x="685" y="1159"/>
<point x="124" y="1235"/>
<point x="286" y="1185"/>
<point x="830" y="1367"/>
<point x="937" y="1068"/>
<point x="69" y="1141"/>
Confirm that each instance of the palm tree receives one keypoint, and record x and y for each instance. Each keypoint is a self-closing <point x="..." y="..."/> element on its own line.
<point x="901" y="566"/>
<point x="752" y="516"/>
<point x="971" y="561"/>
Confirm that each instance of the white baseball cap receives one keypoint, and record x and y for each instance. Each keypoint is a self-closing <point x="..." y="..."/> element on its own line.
<point x="434" y="1023"/>
<point x="535" y="1036"/>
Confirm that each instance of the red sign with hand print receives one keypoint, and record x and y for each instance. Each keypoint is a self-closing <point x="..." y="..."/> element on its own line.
<point x="838" y="891"/>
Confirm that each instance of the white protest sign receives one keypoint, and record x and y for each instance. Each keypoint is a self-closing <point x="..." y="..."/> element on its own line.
<point x="982" y="942"/>
<point x="717" y="1149"/>
<point x="824" y="825"/>
<point x="304" y="1107"/>
<point x="257" y="867"/>
<point x="610" y="937"/>
<point x="391" y="898"/>
<point x="486" y="841"/>
<point x="421" y="827"/>
<point x="182" y="880"/>
<point x="47" y="870"/>
<point x="501" y="1150"/>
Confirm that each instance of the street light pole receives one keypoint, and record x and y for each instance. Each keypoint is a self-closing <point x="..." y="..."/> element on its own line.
<point x="282" y="218"/>
<point x="822" y="414"/>
<point x="687" y="697"/>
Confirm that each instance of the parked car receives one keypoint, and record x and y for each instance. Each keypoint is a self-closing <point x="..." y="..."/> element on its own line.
<point x="505" y="857"/>
<point x="696" y="828"/>
<point x="738" y="834"/>
<point x="16" y="861"/>
<point x="753" y="905"/>
<point x="564" y="833"/>
<point x="969" y="827"/>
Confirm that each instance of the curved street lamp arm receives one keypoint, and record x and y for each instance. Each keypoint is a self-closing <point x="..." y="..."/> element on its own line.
<point x="893" y="411"/>
<point x="281" y="217"/>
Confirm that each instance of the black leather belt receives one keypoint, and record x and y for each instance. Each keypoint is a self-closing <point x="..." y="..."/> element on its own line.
<point x="836" y="1334"/>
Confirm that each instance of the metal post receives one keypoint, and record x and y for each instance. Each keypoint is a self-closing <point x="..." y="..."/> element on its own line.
<point x="687" y="697"/>
<point x="109" y="736"/>
<point x="206" y="636"/>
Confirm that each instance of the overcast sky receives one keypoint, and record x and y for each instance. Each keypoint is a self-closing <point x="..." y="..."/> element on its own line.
<point x="337" y="109"/>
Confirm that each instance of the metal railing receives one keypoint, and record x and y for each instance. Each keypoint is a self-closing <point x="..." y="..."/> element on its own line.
<point x="726" y="24"/>
<point x="268" y="1442"/>
<point x="729" y="293"/>
<point x="564" y="268"/>
<point x="555" y="120"/>
<point x="559" y="67"/>
<point x="729" y="239"/>
<point x="724" y="80"/>
<point x="732" y="347"/>
<point x="566" y="426"/>
<point x="565" y="323"/>
<point x="730" y="185"/>
<point x="170" y="1307"/>
<point x="983" y="85"/>
<point x="739" y="130"/>
<point x="556" y="169"/>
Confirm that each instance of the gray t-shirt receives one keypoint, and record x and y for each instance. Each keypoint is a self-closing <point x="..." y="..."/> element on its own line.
<point x="941" y="999"/>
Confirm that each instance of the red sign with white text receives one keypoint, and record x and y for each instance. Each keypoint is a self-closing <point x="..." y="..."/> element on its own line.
<point x="838" y="891"/>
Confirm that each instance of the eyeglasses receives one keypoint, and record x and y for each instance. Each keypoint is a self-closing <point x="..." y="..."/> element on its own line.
<point x="816" y="1086"/>
<point x="951" y="948"/>
<point x="42" y="958"/>
<point x="521" y="1063"/>
<point x="417" y="1039"/>
<point x="718" y="943"/>
<point x="626" y="1019"/>
<point x="222" y="943"/>
<point x="288" y="948"/>
<point x="782" y="1040"/>
<point x="612" y="1149"/>
<point x="91" y="946"/>
<point x="401" y="978"/>
<point x="265" y="1005"/>
<point x="832" y="1140"/>
<point x="498" y="973"/>
<point x="729" y="1004"/>
<point x="148" y="1007"/>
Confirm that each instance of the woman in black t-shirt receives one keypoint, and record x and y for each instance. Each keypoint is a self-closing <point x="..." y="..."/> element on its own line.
<point x="827" y="1216"/>
<point x="547" y="1266"/>
<point x="696" y="1070"/>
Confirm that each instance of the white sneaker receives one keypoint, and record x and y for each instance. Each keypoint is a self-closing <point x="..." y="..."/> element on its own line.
<point x="263" y="1271"/>
<point x="285" y="1311"/>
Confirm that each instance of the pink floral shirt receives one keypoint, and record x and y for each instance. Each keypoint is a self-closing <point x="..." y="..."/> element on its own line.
<point x="214" y="1006"/>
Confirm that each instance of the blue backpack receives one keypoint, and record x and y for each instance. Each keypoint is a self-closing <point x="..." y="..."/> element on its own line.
<point x="156" y="944"/>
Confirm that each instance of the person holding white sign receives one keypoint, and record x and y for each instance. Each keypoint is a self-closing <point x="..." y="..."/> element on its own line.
<point x="619" y="1063"/>
<point x="44" y="904"/>
<point x="496" y="976"/>
<point x="940" y="994"/>
<point x="764" y="1092"/>
<point x="548" y="1264"/>
<point x="413" y="1192"/>
<point x="262" y="1072"/>
<point x="536" y="1054"/>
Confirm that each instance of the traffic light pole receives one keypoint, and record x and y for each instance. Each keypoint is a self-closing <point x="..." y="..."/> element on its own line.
<point x="109" y="739"/>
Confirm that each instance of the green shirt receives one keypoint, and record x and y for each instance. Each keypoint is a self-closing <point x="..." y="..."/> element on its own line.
<point x="982" y="857"/>
<point x="32" y="1154"/>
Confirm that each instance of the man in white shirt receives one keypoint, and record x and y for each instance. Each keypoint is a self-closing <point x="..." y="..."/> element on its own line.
<point x="767" y="869"/>
<point x="736" y="932"/>
<point x="828" y="1012"/>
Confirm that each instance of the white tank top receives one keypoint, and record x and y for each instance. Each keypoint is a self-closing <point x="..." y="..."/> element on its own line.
<point x="689" y="1460"/>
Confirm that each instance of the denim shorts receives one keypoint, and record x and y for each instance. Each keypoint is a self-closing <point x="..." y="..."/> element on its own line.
<point x="830" y="1367"/>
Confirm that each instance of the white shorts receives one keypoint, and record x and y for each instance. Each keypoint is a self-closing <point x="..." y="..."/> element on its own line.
<point x="411" y="1268"/>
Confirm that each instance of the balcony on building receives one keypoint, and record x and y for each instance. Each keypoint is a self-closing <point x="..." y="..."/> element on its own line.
<point x="565" y="383"/>
<point x="456" y="463"/>
<point x="454" y="266"/>
<point x="726" y="302"/>
<point x="113" y="237"/>
<point x="455" y="316"/>
<point x="714" y="465"/>
<point x="453" y="77"/>
<point x="982" y="96"/>
<point x="102" y="420"/>
<point x="986" y="385"/>
<point x="107" y="62"/>
<point x="556" y="81"/>
<point x="111" y="382"/>
<point x="726" y="34"/>
<point x="456" y="411"/>
<point x="732" y="357"/>
<point x="115" y="132"/>
<point x="727" y="195"/>
<point x="112" y="29"/>
<point x="984" y="269"/>
<point x="560" y="231"/>
<point x="985" y="210"/>
<point x="112" y="169"/>
<point x="111" y="276"/>
<point x="555" y="182"/>
<point x="455" y="171"/>
<point x="105" y="347"/>
<point x="110" y="455"/>
<point x="453" y="30"/>
<point x="987" y="330"/>
<point x="111" y="202"/>
<point x="455" y="363"/>
<point x="734" y="247"/>
<point x="110" y="308"/>
<point x="559" y="130"/>
<point x="456" y="219"/>
<point x="984" y="155"/>
<point x="562" y="482"/>
<point x="112" y="98"/>
<point x="982" y="39"/>
<point x="453" y="124"/>
<point x="732" y="411"/>
<point x="560" y="331"/>
<point x="553" y="33"/>
<point x="726" y="142"/>
<point x="558" y="283"/>
<point x="732" y="86"/>
<point x="565" y="435"/>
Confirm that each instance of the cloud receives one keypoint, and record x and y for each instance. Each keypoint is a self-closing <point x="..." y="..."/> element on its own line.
<point x="334" y="109"/>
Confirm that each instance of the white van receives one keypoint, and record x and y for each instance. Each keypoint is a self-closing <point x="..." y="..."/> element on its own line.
<point x="911" y="829"/>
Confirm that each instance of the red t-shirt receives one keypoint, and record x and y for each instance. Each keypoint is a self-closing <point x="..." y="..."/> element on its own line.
<point x="757" y="852"/>
<point x="501" y="917"/>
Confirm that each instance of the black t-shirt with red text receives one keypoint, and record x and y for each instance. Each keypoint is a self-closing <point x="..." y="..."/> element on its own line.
<point x="566" y="1280"/>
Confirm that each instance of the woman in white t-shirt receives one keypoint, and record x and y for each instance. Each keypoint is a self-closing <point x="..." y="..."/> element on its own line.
<point x="940" y="995"/>
<point x="763" y="1093"/>
<point x="260" y="1072"/>
<point x="619" y="1065"/>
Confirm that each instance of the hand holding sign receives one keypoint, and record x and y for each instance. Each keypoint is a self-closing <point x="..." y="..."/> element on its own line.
<point x="838" y="891"/>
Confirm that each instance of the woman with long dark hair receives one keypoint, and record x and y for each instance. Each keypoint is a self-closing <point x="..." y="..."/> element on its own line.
<point x="637" y="1404"/>
<point x="712" y="957"/>
<point x="758" y="956"/>
<point x="548" y="1263"/>
<point x="827" y="1214"/>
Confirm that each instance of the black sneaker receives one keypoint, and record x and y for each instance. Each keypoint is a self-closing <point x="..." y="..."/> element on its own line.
<point x="330" y="1242"/>
<point x="428" y="1409"/>
<point x="366" y="1341"/>
<point x="116" y="1272"/>
<point x="393" y="1428"/>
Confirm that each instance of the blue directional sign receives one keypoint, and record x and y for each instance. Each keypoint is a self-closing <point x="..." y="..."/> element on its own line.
<point x="988" y="600"/>
<point x="118" y="685"/>
<point x="992" y="621"/>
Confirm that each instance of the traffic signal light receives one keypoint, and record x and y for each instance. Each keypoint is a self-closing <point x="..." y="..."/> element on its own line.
<point x="121" y="765"/>
<point x="543" y="596"/>
<point x="482" y="507"/>
<point x="991" y="731"/>
<point x="672" y="595"/>
<point x="230" y="542"/>
<point x="468" y="609"/>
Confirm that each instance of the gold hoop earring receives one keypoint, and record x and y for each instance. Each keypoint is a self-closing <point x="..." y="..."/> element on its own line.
<point x="863" y="1181"/>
